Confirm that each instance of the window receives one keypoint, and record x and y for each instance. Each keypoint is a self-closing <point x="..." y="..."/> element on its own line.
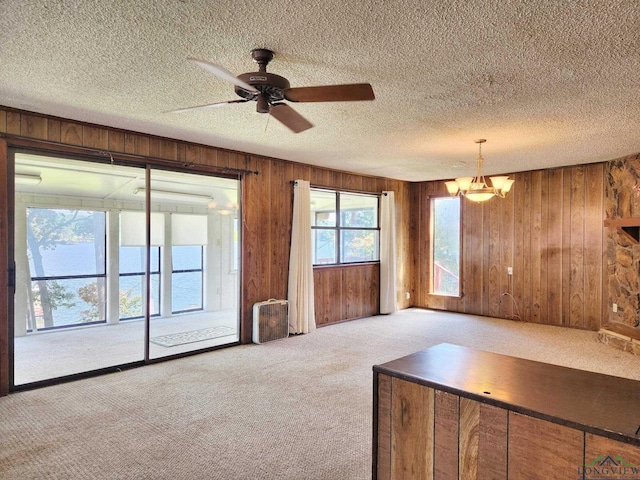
<point x="133" y="284"/>
<point x="445" y="246"/>
<point x="66" y="252"/>
<point x="344" y="227"/>
<point x="186" y="278"/>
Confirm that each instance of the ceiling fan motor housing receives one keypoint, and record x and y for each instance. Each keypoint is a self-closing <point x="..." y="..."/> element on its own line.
<point x="269" y="84"/>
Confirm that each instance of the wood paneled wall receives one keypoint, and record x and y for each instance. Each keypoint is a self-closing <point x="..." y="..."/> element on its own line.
<point x="340" y="293"/>
<point x="267" y="207"/>
<point x="549" y="229"/>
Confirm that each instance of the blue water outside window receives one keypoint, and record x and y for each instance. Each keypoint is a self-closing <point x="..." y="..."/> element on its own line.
<point x="132" y="282"/>
<point x="186" y="278"/>
<point x="67" y="264"/>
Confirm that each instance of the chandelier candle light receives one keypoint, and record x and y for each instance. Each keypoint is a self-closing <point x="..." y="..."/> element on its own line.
<point x="476" y="188"/>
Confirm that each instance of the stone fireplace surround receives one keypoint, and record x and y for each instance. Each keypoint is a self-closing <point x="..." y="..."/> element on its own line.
<point x="620" y="327"/>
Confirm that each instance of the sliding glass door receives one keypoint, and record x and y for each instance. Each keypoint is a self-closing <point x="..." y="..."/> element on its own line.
<point x="96" y="288"/>
<point x="193" y="222"/>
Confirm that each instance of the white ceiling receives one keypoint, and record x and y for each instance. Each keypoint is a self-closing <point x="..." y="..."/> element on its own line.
<point x="548" y="83"/>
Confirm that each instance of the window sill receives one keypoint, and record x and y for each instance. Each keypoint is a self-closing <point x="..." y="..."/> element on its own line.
<point x="444" y="295"/>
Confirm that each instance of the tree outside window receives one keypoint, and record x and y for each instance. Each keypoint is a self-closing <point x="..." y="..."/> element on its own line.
<point x="344" y="227"/>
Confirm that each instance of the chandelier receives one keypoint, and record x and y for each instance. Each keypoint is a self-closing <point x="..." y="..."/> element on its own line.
<point x="476" y="188"/>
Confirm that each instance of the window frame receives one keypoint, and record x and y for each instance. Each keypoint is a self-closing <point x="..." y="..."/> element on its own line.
<point x="432" y="237"/>
<point x="47" y="278"/>
<point x="189" y="270"/>
<point x="338" y="228"/>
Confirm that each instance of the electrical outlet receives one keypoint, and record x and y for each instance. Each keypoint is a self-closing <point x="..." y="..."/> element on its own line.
<point x="509" y="270"/>
<point x="615" y="308"/>
<point x="407" y="295"/>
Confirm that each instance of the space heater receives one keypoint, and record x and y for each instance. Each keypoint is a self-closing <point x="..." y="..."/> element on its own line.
<point x="270" y="320"/>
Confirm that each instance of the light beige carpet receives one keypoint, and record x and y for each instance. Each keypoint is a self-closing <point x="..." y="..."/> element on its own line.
<point x="297" y="409"/>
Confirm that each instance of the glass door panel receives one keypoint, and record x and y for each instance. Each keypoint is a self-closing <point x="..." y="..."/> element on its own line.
<point x="199" y="273"/>
<point x="70" y="299"/>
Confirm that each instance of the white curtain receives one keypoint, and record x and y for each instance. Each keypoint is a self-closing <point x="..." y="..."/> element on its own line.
<point x="302" y="317"/>
<point x="388" y="293"/>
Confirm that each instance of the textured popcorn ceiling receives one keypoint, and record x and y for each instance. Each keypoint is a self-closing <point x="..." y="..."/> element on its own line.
<point x="548" y="83"/>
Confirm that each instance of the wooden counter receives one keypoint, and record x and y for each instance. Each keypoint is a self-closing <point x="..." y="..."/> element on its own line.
<point x="455" y="412"/>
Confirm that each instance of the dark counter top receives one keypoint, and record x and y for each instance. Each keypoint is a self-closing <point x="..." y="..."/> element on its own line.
<point x="593" y="402"/>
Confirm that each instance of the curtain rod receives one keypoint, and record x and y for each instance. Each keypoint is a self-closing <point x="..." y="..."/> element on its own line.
<point x="16" y="140"/>
<point x="346" y="190"/>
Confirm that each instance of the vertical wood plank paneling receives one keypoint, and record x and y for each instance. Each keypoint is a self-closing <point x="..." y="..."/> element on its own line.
<point x="350" y="297"/>
<point x="3" y="121"/>
<point x="492" y="443"/>
<point x="238" y="161"/>
<point x="412" y="424"/>
<point x="280" y="226"/>
<point x="494" y="265"/>
<point x="533" y="449"/>
<point x="13" y="123"/>
<point x="351" y="182"/>
<point x="383" y="434"/>
<point x="208" y="156"/>
<point x="301" y="171"/>
<point x="142" y="145"/>
<point x="446" y="437"/>
<point x="594" y="259"/>
<point x="329" y="291"/>
<point x="54" y="130"/>
<point x="154" y="147"/>
<point x="473" y="271"/>
<point x="536" y="247"/>
<point x="71" y="133"/>
<point x="257" y="245"/>
<point x="506" y="255"/>
<point x="193" y="153"/>
<point x="596" y="445"/>
<point x="469" y="437"/>
<point x="116" y="141"/>
<point x="566" y="248"/>
<point x="416" y="238"/>
<point x="549" y="228"/>
<point x="181" y="154"/>
<point x="94" y="137"/>
<point x="576" y="283"/>
<point x="527" y="270"/>
<point x="544" y="248"/>
<point x="554" y="247"/>
<point x="222" y="159"/>
<point x="129" y="143"/>
<point x="33" y="126"/>
<point x="518" y="248"/>
<point x="370" y="290"/>
<point x="486" y="258"/>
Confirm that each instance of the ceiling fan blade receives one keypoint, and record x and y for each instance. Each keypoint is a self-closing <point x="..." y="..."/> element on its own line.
<point x="209" y="105"/>
<point x="289" y="117"/>
<point x="331" y="93"/>
<point x="223" y="73"/>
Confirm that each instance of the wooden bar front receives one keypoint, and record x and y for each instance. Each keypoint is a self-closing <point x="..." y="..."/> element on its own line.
<point x="452" y="412"/>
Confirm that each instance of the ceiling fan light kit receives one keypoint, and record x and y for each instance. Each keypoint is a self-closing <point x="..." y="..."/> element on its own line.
<point x="269" y="91"/>
<point x="476" y="188"/>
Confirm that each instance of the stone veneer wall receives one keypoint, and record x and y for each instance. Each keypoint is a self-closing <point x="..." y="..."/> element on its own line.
<point x="622" y="200"/>
<point x="621" y="342"/>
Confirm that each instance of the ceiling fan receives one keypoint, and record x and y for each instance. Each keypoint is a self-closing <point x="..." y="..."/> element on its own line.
<point x="269" y="91"/>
